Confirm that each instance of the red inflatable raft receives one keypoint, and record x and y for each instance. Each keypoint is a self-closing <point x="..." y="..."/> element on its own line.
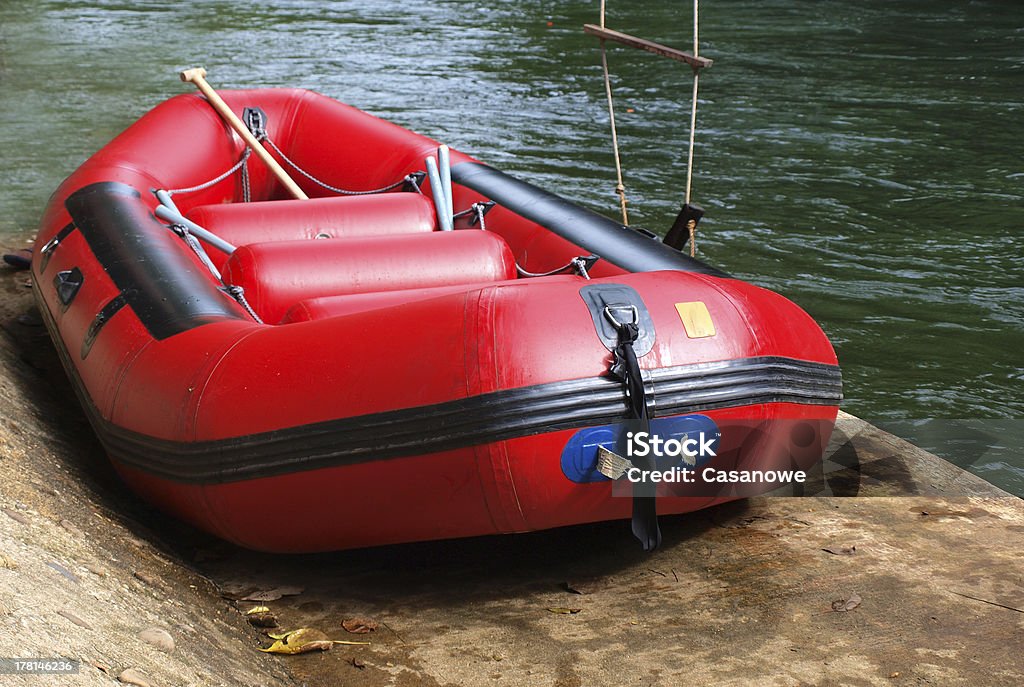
<point x="345" y="363"/>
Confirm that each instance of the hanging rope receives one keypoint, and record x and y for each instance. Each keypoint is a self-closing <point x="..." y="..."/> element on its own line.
<point x="692" y="224"/>
<point x="686" y="223"/>
<point x="620" y="188"/>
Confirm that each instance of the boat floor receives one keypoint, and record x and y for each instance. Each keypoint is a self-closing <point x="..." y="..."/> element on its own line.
<point x="740" y="594"/>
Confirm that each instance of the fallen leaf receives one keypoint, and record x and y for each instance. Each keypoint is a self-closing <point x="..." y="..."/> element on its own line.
<point x="261" y="616"/>
<point x="299" y="642"/>
<point x="303" y="640"/>
<point x="841" y="551"/>
<point x="273" y="594"/>
<point x="74" y="619"/>
<point x="565" y="611"/>
<point x="844" y="605"/>
<point x="359" y="626"/>
<point x="8" y="563"/>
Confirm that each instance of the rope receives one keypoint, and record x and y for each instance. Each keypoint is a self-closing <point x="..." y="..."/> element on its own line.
<point x="335" y="189"/>
<point x="479" y="209"/>
<point x="197" y="248"/>
<point x="238" y="293"/>
<point x="246" y="193"/>
<point x="580" y="265"/>
<point x="216" y="180"/>
<point x="620" y="188"/>
<point x="692" y="226"/>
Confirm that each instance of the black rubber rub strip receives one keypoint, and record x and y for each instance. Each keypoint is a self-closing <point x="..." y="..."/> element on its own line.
<point x="614" y="242"/>
<point x="161" y="283"/>
<point x="471" y="421"/>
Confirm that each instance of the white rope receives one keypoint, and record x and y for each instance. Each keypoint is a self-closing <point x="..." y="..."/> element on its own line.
<point x="693" y="129"/>
<point x="620" y="188"/>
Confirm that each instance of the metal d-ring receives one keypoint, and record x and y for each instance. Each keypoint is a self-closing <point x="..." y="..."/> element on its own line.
<point x="615" y="322"/>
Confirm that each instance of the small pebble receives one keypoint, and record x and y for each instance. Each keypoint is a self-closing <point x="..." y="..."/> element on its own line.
<point x="96" y="570"/>
<point x="131" y="676"/>
<point x="159" y="638"/>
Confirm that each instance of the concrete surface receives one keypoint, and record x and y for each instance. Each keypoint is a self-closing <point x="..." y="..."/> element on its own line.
<point x="739" y="595"/>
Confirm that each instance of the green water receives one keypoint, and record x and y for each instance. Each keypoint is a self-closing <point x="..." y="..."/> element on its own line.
<point x="865" y="159"/>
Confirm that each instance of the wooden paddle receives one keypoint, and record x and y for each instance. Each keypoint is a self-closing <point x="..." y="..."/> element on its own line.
<point x="197" y="76"/>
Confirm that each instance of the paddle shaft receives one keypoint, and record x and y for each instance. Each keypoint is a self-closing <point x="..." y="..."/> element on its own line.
<point x="198" y="77"/>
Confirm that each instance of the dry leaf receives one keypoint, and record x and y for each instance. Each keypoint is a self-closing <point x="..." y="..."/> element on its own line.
<point x="359" y="626"/>
<point x="841" y="551"/>
<point x="273" y="594"/>
<point x="299" y="642"/>
<point x="74" y="618"/>
<point x="844" y="605"/>
<point x="261" y="616"/>
<point x="565" y="611"/>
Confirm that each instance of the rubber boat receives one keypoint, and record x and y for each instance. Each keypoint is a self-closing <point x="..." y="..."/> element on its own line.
<point x="425" y="360"/>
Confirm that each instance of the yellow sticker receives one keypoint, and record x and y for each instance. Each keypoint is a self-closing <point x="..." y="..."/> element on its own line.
<point x="696" y="319"/>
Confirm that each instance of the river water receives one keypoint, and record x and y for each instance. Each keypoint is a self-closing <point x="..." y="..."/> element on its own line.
<point x="864" y="159"/>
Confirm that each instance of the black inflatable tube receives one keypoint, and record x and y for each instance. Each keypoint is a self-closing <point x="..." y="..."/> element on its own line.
<point x="614" y="242"/>
<point x="157" y="279"/>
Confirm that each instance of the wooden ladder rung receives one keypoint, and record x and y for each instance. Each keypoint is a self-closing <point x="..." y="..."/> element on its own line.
<point x="696" y="62"/>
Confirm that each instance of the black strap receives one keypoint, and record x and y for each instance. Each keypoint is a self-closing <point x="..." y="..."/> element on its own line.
<point x="625" y="367"/>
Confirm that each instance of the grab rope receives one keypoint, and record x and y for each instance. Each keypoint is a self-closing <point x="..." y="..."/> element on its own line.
<point x="476" y="211"/>
<point x="236" y="292"/>
<point x="407" y="179"/>
<point x="413" y="180"/>
<point x="580" y="265"/>
<point x="182" y="231"/>
<point x="217" y="179"/>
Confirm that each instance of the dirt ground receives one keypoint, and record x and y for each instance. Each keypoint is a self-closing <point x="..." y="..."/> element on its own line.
<point x="922" y="560"/>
